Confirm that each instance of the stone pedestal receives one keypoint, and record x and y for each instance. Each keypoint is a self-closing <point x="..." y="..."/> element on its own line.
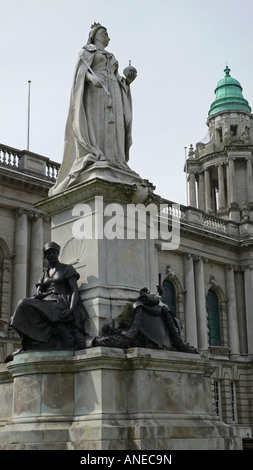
<point x="113" y="254"/>
<point x="110" y="399"/>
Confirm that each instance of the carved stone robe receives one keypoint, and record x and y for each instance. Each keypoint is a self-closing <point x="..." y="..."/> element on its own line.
<point x="99" y="123"/>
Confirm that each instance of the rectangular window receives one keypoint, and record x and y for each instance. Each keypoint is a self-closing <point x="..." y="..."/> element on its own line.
<point x="233" y="401"/>
<point x="219" y="131"/>
<point x="217" y="404"/>
<point x="234" y="130"/>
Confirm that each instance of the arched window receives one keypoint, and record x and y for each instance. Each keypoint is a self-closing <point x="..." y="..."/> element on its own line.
<point x="213" y="311"/>
<point x="170" y="296"/>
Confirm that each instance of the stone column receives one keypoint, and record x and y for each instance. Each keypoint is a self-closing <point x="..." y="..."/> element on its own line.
<point x="190" y="302"/>
<point x="201" y="192"/>
<point x="5" y="283"/>
<point x="249" y="180"/>
<point x="248" y="289"/>
<point x="241" y="309"/>
<point x="200" y="303"/>
<point x="231" y="181"/>
<point x="228" y="186"/>
<point x="208" y="199"/>
<point x="233" y="333"/>
<point x="234" y="211"/>
<point x="192" y="182"/>
<point x="221" y="187"/>
<point x="36" y="255"/>
<point x="20" y="258"/>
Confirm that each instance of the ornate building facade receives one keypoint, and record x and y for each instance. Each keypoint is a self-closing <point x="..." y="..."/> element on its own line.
<point x="209" y="279"/>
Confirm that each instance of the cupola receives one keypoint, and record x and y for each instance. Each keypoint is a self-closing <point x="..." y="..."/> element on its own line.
<point x="220" y="170"/>
<point x="228" y="96"/>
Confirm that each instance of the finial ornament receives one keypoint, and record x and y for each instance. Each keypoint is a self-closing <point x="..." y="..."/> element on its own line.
<point x="191" y="151"/>
<point x="227" y="70"/>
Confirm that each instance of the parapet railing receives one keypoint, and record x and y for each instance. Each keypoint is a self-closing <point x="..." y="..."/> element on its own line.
<point x="200" y="219"/>
<point x="219" y="351"/>
<point x="215" y="224"/>
<point x="28" y="162"/>
<point x="9" y="157"/>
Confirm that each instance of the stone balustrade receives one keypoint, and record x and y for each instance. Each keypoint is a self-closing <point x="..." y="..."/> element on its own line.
<point x="28" y="162"/>
<point x="215" y="224"/>
<point x="219" y="351"/>
<point x="201" y="219"/>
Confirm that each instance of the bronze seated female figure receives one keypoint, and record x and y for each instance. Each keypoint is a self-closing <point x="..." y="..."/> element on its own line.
<point x="54" y="318"/>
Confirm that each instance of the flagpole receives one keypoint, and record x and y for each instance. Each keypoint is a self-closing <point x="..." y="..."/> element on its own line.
<point x="28" y="116"/>
<point x="186" y="175"/>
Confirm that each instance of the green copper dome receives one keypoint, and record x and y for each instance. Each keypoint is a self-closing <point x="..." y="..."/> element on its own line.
<point x="228" y="96"/>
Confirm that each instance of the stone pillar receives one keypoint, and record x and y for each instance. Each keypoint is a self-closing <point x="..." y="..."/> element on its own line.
<point x="200" y="303"/>
<point x="36" y="255"/>
<point x="221" y="187"/>
<point x="201" y="192"/>
<point x="228" y="186"/>
<point x="234" y="211"/>
<point x="5" y="283"/>
<point x="249" y="180"/>
<point x="20" y="257"/>
<point x="192" y="182"/>
<point x="233" y="333"/>
<point x="190" y="302"/>
<point x="248" y="289"/>
<point x="241" y="309"/>
<point x="208" y="199"/>
<point x="231" y="181"/>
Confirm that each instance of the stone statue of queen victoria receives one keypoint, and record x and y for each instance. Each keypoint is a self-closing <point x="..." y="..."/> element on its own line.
<point x="99" y="123"/>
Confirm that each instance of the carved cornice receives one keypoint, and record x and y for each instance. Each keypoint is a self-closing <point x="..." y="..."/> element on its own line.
<point x="121" y="193"/>
<point x="216" y="238"/>
<point x="217" y="157"/>
<point x="20" y="179"/>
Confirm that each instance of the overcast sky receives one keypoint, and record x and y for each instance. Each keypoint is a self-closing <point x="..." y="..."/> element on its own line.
<point x="179" y="47"/>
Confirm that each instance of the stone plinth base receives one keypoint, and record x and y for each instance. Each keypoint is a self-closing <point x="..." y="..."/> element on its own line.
<point x="111" y="399"/>
<point x="95" y="224"/>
